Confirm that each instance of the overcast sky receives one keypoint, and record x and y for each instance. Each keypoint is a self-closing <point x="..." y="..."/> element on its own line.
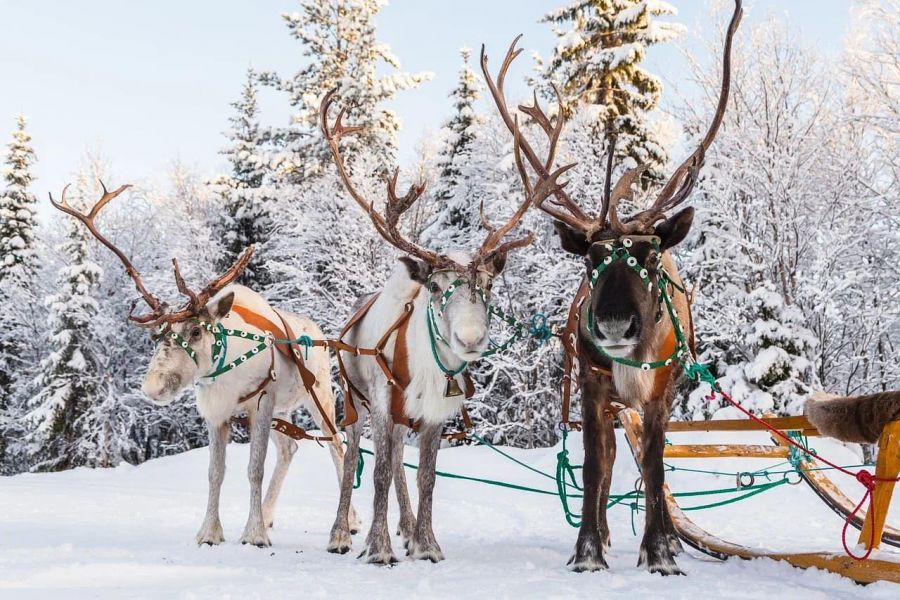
<point x="151" y="81"/>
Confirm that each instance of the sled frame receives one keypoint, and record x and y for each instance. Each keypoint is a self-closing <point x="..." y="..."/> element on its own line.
<point x="867" y="571"/>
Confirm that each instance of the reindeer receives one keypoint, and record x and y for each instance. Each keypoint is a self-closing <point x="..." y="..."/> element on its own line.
<point x="629" y="341"/>
<point x="443" y="301"/>
<point x="218" y="332"/>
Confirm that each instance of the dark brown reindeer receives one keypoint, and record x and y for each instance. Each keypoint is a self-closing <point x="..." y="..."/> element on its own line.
<point x="619" y="328"/>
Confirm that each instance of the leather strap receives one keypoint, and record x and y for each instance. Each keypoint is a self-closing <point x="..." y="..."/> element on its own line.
<point x="401" y="374"/>
<point x="285" y="427"/>
<point x="397" y="373"/>
<point x="307" y="376"/>
<point x="261" y="388"/>
<point x="290" y="351"/>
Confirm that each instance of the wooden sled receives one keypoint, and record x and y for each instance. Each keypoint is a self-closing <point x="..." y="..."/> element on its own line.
<point x="861" y="571"/>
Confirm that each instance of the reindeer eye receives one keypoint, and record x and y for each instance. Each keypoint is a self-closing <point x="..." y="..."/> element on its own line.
<point x="435" y="288"/>
<point x="195" y="332"/>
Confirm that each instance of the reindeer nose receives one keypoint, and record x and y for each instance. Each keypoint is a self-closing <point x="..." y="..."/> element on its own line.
<point x="618" y="330"/>
<point x="471" y="337"/>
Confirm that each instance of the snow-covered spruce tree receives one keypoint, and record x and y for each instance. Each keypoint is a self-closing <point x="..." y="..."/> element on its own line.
<point x="455" y="223"/>
<point x="18" y="265"/>
<point x="70" y="378"/>
<point x="245" y="217"/>
<point x="340" y="51"/>
<point x="596" y="66"/>
<point x="17" y="207"/>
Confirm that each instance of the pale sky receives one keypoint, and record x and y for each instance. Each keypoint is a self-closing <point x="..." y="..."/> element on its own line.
<point x="151" y="81"/>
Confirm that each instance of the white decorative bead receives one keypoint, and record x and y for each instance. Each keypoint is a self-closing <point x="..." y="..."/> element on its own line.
<point x="184" y="344"/>
<point x="607" y="260"/>
<point x="627" y="242"/>
<point x="645" y="367"/>
<point x="668" y="361"/>
<point x="256" y="351"/>
<point x="608" y="247"/>
<point x="243" y="359"/>
<point x="650" y="286"/>
<point x="643" y="273"/>
<point x="631" y="261"/>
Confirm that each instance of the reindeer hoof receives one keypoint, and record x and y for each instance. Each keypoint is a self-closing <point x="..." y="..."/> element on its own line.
<point x="384" y="558"/>
<point x="256" y="537"/>
<point x="588" y="555"/>
<point x="340" y="542"/>
<point x="210" y="535"/>
<point x="657" y="557"/>
<point x="425" y="550"/>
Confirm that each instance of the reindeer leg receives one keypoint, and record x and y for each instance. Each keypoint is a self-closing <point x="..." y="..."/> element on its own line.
<point x="211" y="530"/>
<point x="286" y="449"/>
<point x="260" y="424"/>
<point x="407" y="526"/>
<point x="336" y="446"/>
<point x="588" y="554"/>
<point x="341" y="541"/>
<point x="607" y="460"/>
<point x="423" y="545"/>
<point x="656" y="552"/>
<point x="378" y="543"/>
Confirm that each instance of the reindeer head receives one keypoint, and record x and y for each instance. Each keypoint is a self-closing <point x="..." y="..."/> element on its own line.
<point x="625" y="260"/>
<point x="186" y="346"/>
<point x="459" y="284"/>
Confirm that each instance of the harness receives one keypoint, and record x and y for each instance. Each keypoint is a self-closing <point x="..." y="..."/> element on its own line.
<point x="579" y="311"/>
<point x="276" y="337"/>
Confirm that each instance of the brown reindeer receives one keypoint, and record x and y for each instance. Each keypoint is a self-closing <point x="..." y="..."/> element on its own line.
<point x="624" y="336"/>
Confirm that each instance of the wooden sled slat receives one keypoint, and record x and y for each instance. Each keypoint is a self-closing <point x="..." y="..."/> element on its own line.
<point x="724" y="450"/>
<point x="868" y="571"/>
<point x="799" y="423"/>
<point x="834" y="498"/>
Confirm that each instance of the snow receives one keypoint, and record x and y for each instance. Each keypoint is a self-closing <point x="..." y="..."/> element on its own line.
<point x="128" y="532"/>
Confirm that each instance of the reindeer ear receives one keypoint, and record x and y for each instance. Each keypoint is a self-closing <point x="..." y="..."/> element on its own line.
<point x="673" y="230"/>
<point x="418" y="270"/>
<point x="497" y="264"/>
<point x="222" y="307"/>
<point x="572" y="240"/>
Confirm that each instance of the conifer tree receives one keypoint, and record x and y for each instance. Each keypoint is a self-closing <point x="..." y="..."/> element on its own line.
<point x="18" y="264"/>
<point x="246" y="200"/>
<point x="17" y="213"/>
<point x="69" y="380"/>
<point x="596" y="65"/>
<point x="455" y="219"/>
<point x="340" y="51"/>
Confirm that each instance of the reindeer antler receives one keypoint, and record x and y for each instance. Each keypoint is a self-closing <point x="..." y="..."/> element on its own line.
<point x="157" y="314"/>
<point x="562" y="207"/>
<point x="387" y="225"/>
<point x="682" y="182"/>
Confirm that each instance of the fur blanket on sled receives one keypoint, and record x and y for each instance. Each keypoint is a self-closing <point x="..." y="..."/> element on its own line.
<point x="857" y="419"/>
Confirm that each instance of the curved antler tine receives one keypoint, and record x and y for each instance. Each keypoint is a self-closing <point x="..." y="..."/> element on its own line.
<point x="484" y="222"/>
<point x="679" y="186"/>
<point x="87" y="219"/>
<point x="182" y="286"/>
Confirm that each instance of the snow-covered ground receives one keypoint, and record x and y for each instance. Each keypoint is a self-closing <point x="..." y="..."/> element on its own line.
<point x="128" y="533"/>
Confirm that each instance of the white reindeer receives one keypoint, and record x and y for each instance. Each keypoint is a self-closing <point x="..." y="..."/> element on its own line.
<point x="449" y="300"/>
<point x="229" y="329"/>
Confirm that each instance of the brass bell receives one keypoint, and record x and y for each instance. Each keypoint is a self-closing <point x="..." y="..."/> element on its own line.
<point x="452" y="390"/>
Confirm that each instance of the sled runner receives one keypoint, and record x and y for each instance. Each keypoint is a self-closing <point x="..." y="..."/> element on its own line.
<point x="861" y="571"/>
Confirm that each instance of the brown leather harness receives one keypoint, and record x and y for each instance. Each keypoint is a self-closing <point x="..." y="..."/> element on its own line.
<point x="306" y="376"/>
<point x="398" y="378"/>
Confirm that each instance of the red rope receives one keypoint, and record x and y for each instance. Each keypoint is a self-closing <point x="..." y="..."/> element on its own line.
<point x="863" y="475"/>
